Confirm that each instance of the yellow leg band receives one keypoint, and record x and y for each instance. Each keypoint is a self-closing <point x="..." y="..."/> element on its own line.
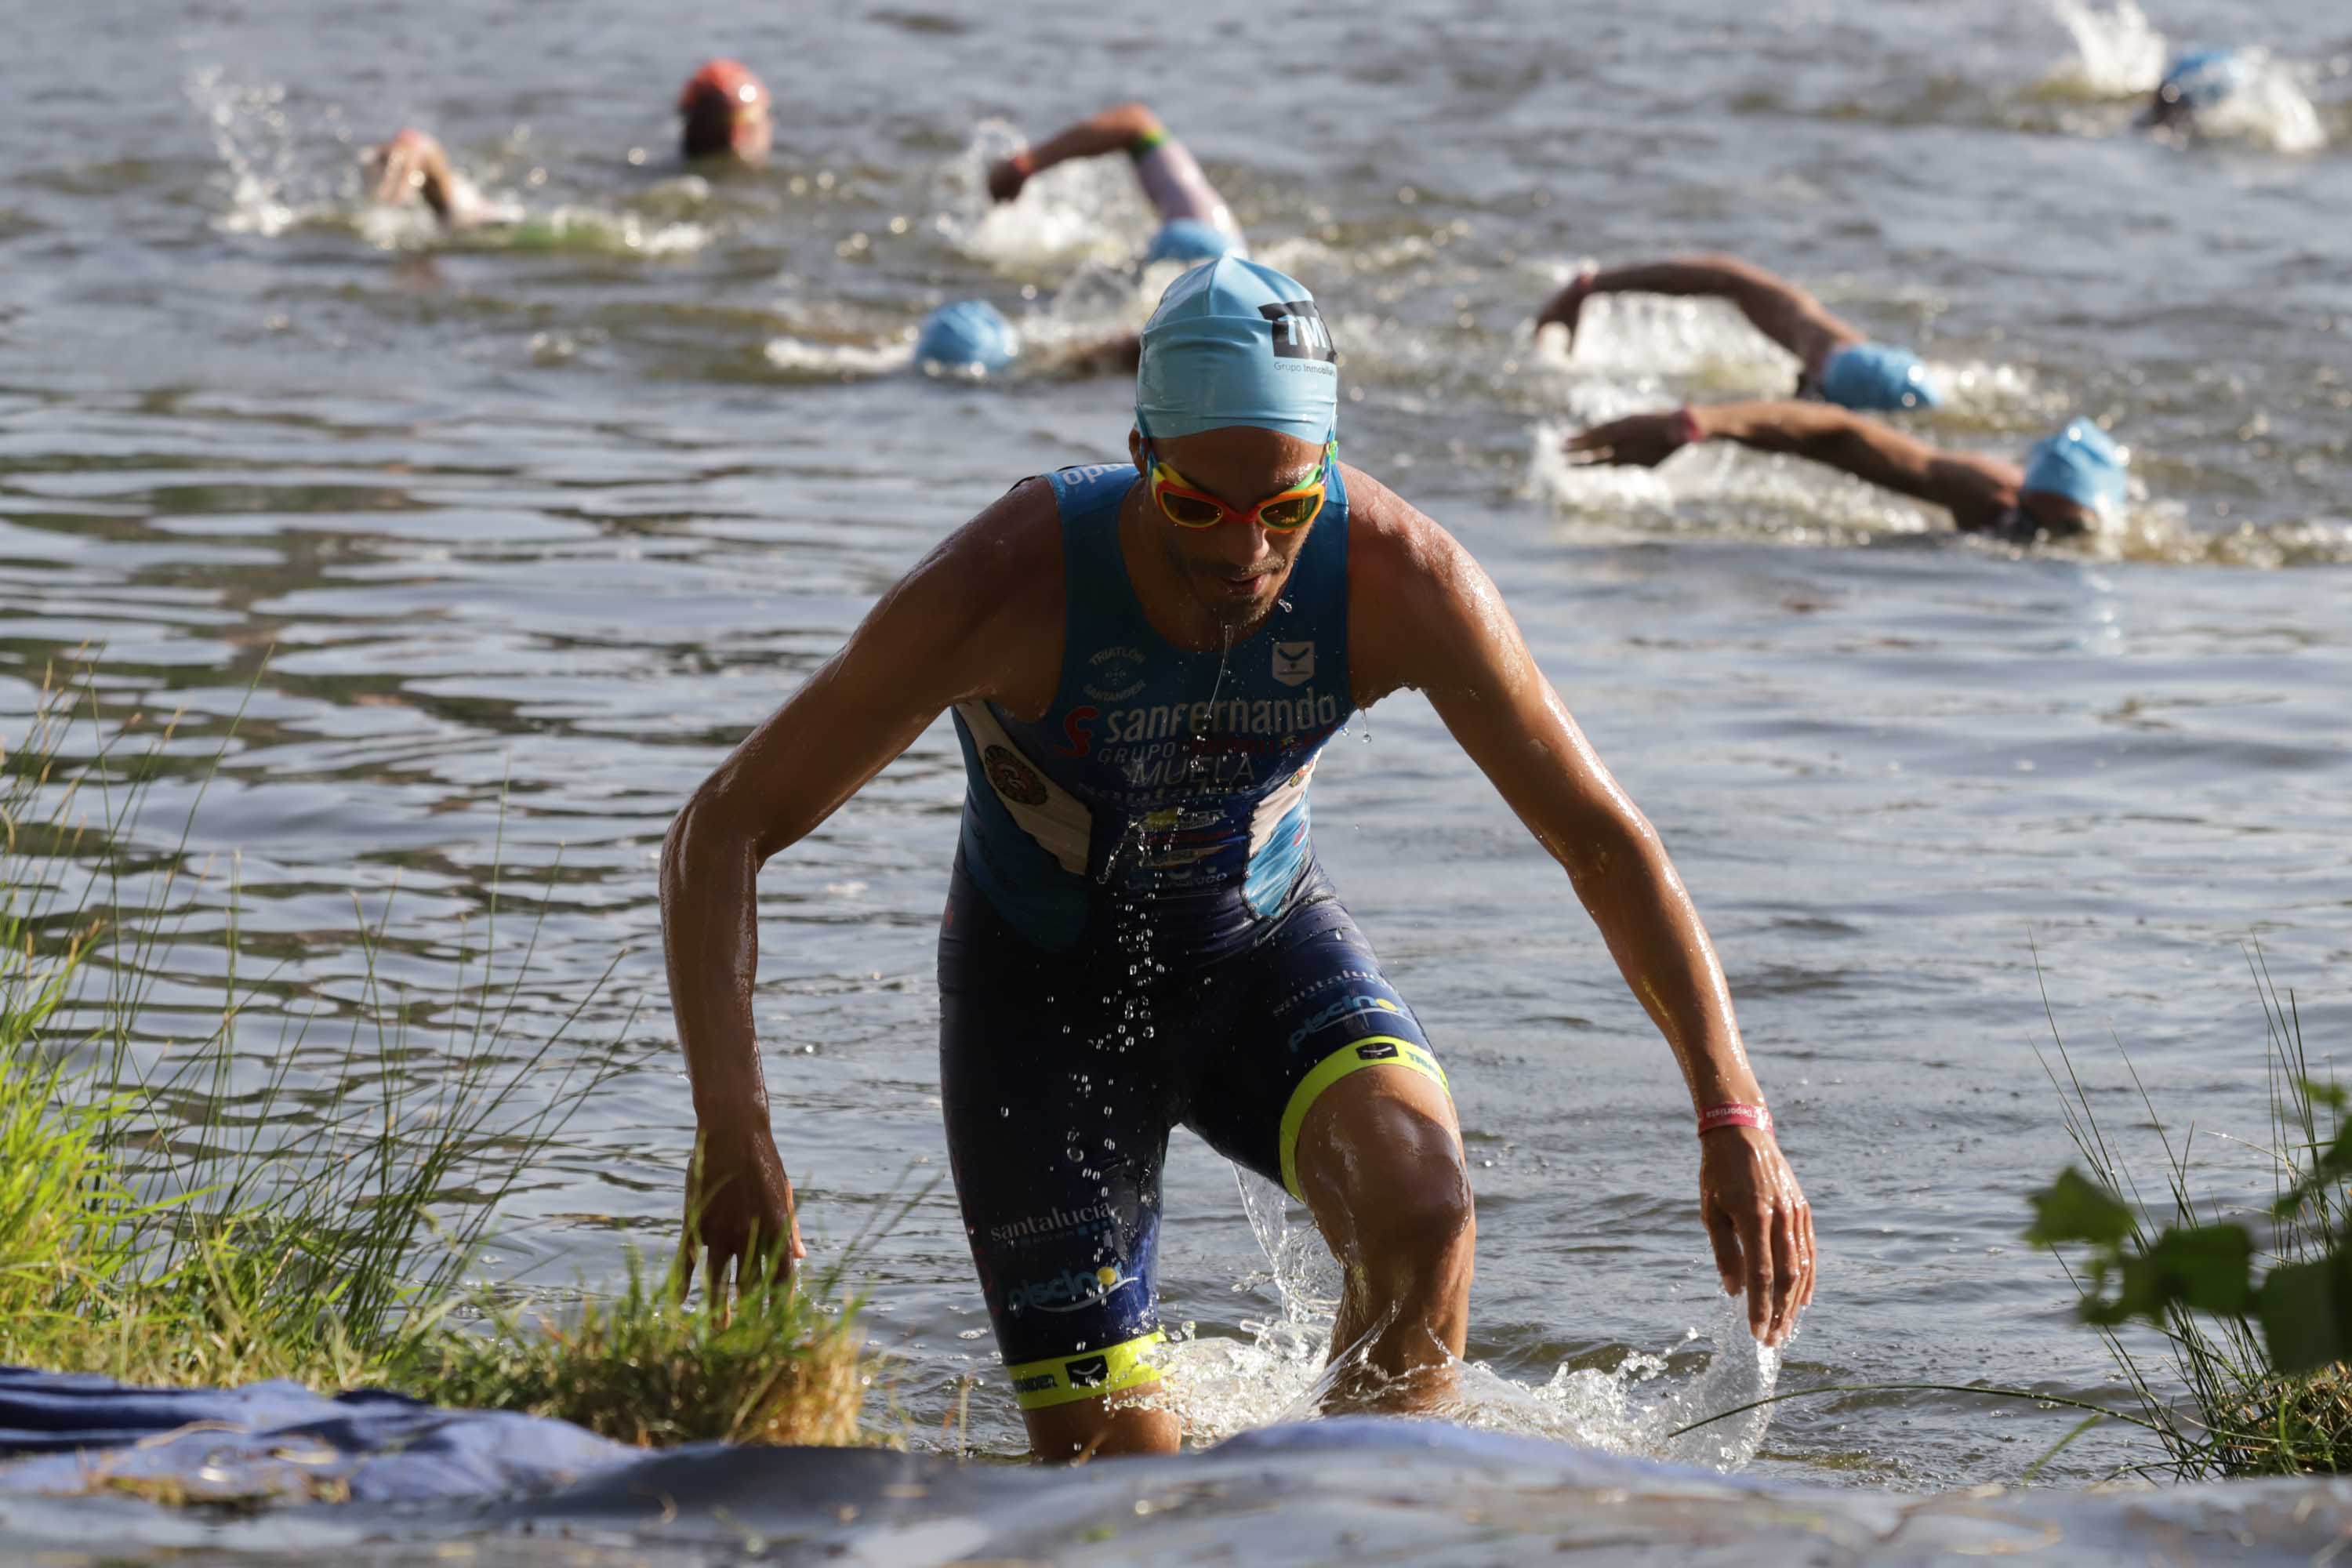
<point x="1374" y="1051"/>
<point x="1088" y="1374"/>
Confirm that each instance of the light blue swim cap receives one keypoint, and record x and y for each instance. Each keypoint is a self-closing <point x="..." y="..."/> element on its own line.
<point x="1192" y="239"/>
<point x="2202" y="80"/>
<point x="1236" y="343"/>
<point x="1875" y="377"/>
<point x="2082" y="463"/>
<point x="971" y="335"/>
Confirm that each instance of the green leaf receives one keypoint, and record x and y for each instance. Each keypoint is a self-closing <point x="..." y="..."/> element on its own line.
<point x="2076" y="1208"/>
<point x="2205" y="1267"/>
<point x="2337" y="1159"/>
<point x="2331" y="1095"/>
<point x="2303" y="1313"/>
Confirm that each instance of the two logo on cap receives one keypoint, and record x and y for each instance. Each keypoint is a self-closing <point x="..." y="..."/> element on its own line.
<point x="1299" y="332"/>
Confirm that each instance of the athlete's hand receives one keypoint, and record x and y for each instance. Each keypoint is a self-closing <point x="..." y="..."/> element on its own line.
<point x="738" y="1206"/>
<point x="399" y="168"/>
<point x="1761" y="1226"/>
<point x="1567" y="305"/>
<point x="1645" y="440"/>
<point x="1005" y="179"/>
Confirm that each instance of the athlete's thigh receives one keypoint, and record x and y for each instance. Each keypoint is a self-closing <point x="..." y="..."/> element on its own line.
<point x="1311" y="1010"/>
<point x="1055" y="1140"/>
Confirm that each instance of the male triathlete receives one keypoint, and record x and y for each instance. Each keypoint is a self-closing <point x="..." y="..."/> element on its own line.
<point x="1836" y="362"/>
<point x="1195" y="223"/>
<point x="2072" y="482"/>
<point x="1144" y="662"/>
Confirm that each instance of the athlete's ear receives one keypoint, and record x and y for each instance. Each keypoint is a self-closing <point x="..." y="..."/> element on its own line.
<point x="1135" y="450"/>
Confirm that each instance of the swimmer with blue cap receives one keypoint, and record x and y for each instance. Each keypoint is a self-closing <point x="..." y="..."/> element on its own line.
<point x="2072" y="481"/>
<point x="1837" y="363"/>
<point x="970" y="340"/>
<point x="1195" y="223"/>
<point x="2198" y="83"/>
<point x="1144" y="661"/>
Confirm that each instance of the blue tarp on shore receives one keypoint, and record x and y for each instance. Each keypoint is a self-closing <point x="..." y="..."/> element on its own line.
<point x="423" y="1485"/>
<point x="275" y="1441"/>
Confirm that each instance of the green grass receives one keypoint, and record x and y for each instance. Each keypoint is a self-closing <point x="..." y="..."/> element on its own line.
<point x="166" y="1219"/>
<point x="2218" y="1327"/>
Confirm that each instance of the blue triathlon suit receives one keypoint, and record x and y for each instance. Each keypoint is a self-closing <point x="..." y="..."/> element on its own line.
<point x="1137" y="937"/>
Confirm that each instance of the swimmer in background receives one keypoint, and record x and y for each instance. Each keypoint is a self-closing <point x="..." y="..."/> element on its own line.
<point x="412" y="164"/>
<point x="971" y="340"/>
<point x="1195" y="223"/>
<point x="722" y="111"/>
<point x="2195" y="83"/>
<point x="2072" y="481"/>
<point x="1840" y="364"/>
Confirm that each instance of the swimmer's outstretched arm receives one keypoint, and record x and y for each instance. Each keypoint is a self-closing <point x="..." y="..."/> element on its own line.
<point x="413" y="163"/>
<point x="979" y="617"/>
<point x="1446" y="631"/>
<point x="1977" y="490"/>
<point x="1119" y="129"/>
<point x="1774" y="306"/>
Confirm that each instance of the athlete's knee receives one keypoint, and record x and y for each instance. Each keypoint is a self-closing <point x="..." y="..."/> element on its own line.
<point x="1397" y="1192"/>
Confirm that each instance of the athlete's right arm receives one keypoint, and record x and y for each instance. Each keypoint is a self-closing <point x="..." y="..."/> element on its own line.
<point x="1115" y="130"/>
<point x="1969" y="486"/>
<point x="1774" y="306"/>
<point x="979" y="617"/>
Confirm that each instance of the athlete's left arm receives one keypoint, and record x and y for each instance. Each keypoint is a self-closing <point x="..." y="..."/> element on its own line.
<point x="1447" y="633"/>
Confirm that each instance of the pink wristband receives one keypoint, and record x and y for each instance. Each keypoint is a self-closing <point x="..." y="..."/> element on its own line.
<point x="1688" y="424"/>
<point x="1735" y="1114"/>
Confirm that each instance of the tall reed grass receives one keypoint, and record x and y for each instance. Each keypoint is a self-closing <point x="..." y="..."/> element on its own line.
<point x="190" y="1213"/>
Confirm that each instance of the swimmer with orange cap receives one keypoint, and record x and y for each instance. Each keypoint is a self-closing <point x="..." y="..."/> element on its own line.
<point x="724" y="109"/>
<point x="1195" y="223"/>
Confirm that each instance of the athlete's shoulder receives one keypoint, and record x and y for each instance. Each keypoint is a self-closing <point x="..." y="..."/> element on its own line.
<point x="993" y="587"/>
<point x="1436" y="605"/>
<point x="1007" y="545"/>
<point x="1395" y="546"/>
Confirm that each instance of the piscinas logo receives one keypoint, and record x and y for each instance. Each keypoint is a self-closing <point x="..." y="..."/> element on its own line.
<point x="1068" y="1292"/>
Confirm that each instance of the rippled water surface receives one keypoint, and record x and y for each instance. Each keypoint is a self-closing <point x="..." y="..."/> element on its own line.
<point x="530" y="526"/>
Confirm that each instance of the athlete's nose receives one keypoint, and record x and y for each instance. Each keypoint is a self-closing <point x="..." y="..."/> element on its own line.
<point x="1242" y="546"/>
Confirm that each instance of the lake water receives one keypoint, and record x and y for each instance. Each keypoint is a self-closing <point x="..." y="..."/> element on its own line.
<point x="499" y="543"/>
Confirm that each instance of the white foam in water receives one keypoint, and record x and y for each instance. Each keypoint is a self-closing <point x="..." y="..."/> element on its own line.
<point x="2271" y="110"/>
<point x="847" y="362"/>
<point x="1089" y="208"/>
<point x="250" y="130"/>
<point x="1220" y="1386"/>
<point x="2116" y="53"/>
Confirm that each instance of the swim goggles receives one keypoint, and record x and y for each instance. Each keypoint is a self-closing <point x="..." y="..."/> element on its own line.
<point x="1187" y="506"/>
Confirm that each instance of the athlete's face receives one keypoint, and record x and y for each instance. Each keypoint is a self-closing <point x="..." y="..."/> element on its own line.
<point x="1233" y="570"/>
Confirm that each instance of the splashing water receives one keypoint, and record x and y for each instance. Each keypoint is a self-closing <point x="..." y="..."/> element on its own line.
<point x="2271" y="110"/>
<point x="254" y="138"/>
<point x="1089" y="209"/>
<point x="2116" y="53"/>
<point x="1222" y="1386"/>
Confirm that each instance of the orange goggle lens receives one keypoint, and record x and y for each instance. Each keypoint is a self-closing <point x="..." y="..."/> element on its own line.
<point x="1189" y="508"/>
